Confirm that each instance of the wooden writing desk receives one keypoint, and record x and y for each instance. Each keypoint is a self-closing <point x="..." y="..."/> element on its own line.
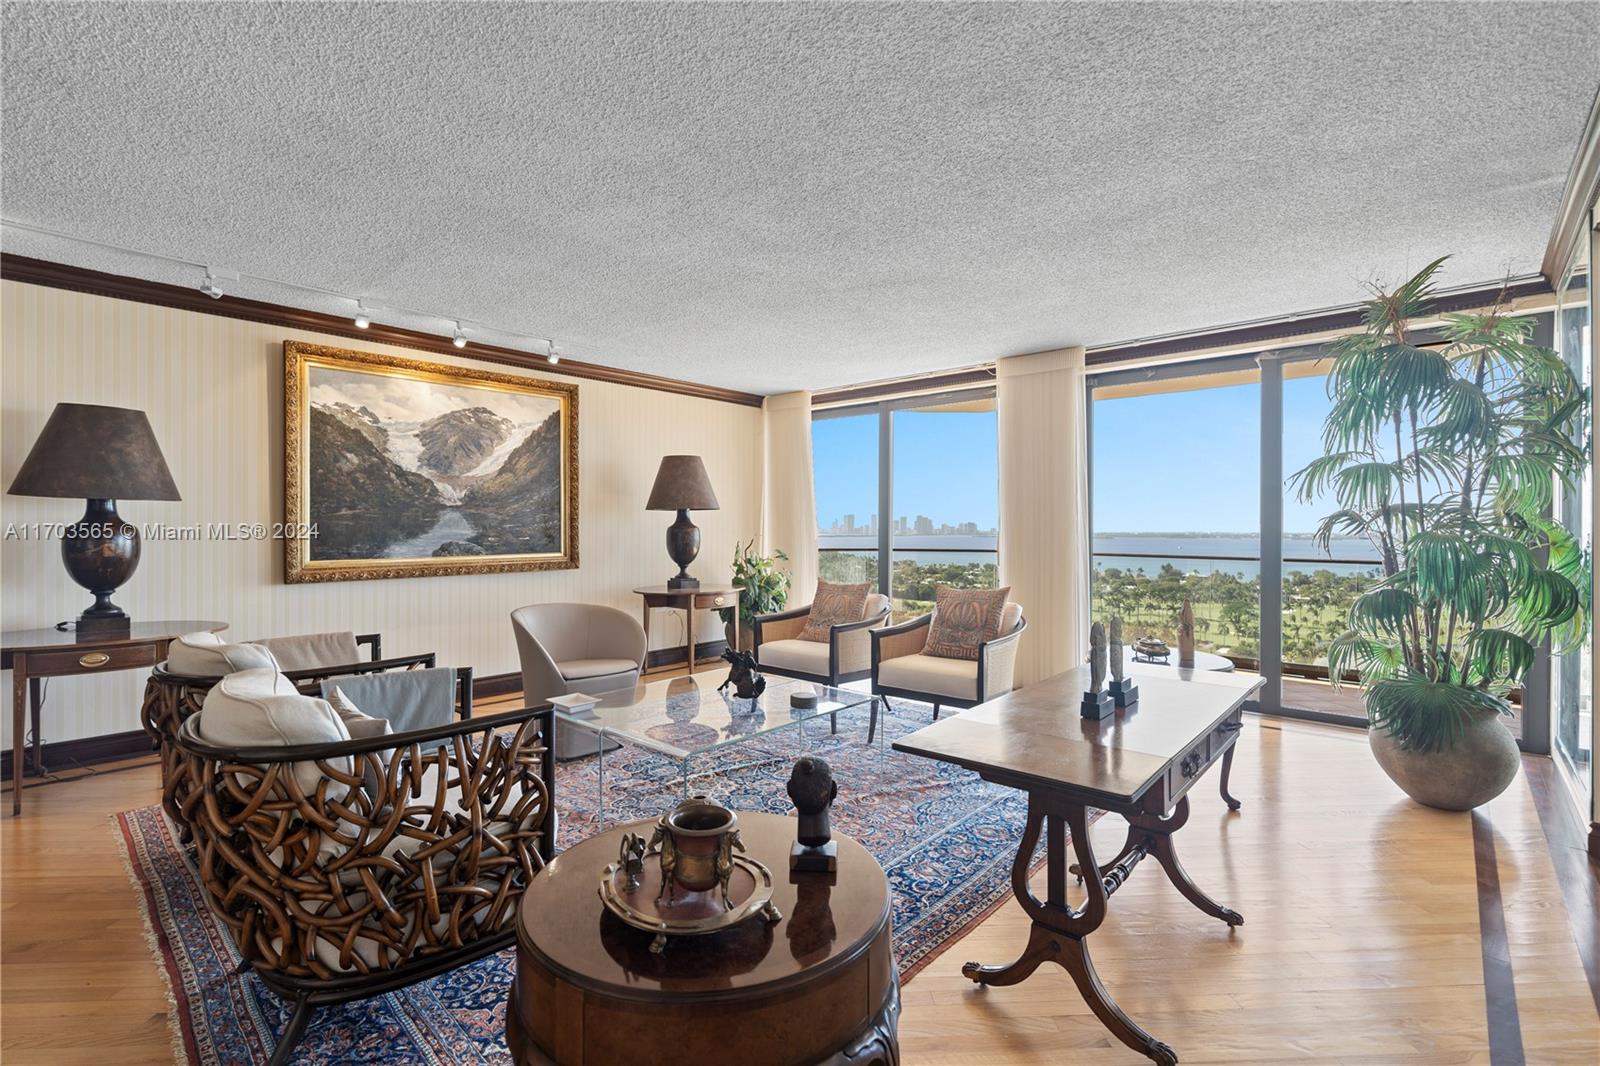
<point x="1139" y="763"/>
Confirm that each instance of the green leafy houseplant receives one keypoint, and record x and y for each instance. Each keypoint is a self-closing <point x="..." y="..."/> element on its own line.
<point x="1445" y="457"/>
<point x="764" y="588"/>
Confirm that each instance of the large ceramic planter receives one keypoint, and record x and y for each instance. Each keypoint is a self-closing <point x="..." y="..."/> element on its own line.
<point x="1473" y="771"/>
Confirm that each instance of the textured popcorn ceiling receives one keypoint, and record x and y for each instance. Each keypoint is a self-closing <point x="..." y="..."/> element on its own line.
<point x="779" y="196"/>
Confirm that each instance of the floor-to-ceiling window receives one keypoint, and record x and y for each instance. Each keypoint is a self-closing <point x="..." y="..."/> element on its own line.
<point x="945" y="520"/>
<point x="1571" y="673"/>
<point x="844" y="457"/>
<point x="907" y="495"/>
<point x="1184" y="509"/>
<point x="1175" y="504"/>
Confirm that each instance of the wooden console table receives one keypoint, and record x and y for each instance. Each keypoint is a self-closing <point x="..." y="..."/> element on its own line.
<point x="32" y="654"/>
<point x="704" y="598"/>
<point x="819" y="988"/>
<point x="1140" y="763"/>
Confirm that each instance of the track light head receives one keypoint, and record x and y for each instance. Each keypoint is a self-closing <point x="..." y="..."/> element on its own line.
<point x="550" y="353"/>
<point x="460" y="338"/>
<point x="212" y="286"/>
<point x="363" y="315"/>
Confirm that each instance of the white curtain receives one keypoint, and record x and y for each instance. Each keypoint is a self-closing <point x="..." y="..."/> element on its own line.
<point x="1044" y="506"/>
<point x="788" y="492"/>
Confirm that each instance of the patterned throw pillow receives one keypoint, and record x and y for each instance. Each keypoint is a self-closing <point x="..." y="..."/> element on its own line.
<point x="834" y="605"/>
<point x="964" y="619"/>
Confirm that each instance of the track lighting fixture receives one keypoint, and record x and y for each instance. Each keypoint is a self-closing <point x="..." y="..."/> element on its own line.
<point x="212" y="286"/>
<point x="550" y="353"/>
<point x="363" y="315"/>
<point x="460" y="338"/>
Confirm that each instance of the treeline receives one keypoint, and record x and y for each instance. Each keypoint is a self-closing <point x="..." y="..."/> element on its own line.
<point x="1226" y="605"/>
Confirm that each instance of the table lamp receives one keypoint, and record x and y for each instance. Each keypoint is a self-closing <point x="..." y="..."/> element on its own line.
<point x="99" y="454"/>
<point x="682" y="485"/>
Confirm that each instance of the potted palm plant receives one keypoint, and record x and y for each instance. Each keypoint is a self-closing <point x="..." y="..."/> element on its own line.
<point x="1445" y="456"/>
<point x="763" y="589"/>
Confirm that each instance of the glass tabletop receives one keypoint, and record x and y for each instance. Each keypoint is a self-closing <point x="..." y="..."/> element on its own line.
<point x="686" y="716"/>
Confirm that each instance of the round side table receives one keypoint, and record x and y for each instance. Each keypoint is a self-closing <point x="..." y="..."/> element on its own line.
<point x="820" y="986"/>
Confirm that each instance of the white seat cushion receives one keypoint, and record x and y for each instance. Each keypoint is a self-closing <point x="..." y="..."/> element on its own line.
<point x="805" y="656"/>
<point x="931" y="675"/>
<point x="208" y="655"/>
<point x="262" y="709"/>
<point x="578" y="669"/>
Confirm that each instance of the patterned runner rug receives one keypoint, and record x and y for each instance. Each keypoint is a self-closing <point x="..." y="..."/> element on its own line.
<point x="945" y="838"/>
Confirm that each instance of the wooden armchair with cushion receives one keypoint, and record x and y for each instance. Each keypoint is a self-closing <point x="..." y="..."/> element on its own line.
<point x="828" y="641"/>
<point x="197" y="661"/>
<point x="348" y="860"/>
<point x="960" y="661"/>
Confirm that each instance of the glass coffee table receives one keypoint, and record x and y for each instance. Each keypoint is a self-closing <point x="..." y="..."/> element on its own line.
<point x="685" y="718"/>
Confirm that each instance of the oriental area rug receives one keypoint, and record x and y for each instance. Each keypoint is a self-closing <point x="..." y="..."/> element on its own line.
<point x="945" y="838"/>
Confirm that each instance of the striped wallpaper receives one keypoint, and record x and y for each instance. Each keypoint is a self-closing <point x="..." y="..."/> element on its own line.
<point x="213" y="389"/>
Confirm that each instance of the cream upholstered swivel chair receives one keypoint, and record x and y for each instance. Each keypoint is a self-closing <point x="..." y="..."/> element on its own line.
<point x="901" y="666"/>
<point x="576" y="647"/>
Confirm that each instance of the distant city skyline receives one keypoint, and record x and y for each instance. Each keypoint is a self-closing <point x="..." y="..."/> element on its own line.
<point x="904" y="526"/>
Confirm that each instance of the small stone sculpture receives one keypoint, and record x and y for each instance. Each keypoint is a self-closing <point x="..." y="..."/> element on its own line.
<point x="813" y="790"/>
<point x="1097" y="657"/>
<point x="747" y="682"/>
<point x="1118" y="667"/>
<point x="1097" y="702"/>
<point x="1123" y="690"/>
<point x="1186" y="635"/>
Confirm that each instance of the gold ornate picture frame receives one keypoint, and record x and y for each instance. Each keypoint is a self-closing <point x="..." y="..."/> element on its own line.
<point x="402" y="468"/>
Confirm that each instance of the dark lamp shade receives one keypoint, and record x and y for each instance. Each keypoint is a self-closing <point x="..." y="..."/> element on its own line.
<point x="681" y="484"/>
<point x="89" y="452"/>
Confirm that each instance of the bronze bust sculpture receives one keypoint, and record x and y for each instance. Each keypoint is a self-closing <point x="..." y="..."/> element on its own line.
<point x="812" y="789"/>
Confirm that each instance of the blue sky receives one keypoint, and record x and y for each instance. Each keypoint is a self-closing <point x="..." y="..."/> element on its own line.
<point x="1172" y="462"/>
<point x="945" y="467"/>
<point x="1205" y="447"/>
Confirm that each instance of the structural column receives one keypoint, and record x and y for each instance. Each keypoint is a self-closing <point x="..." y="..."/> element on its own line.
<point x="1271" y="696"/>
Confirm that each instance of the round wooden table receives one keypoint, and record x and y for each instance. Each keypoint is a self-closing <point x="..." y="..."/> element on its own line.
<point x="1203" y="660"/>
<point x="820" y="986"/>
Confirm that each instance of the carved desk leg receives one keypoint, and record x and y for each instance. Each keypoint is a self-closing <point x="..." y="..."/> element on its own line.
<point x="1058" y="932"/>
<point x="1158" y="831"/>
<point x="1227" y="772"/>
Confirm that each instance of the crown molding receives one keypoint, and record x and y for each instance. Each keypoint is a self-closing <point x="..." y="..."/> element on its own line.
<point x="119" y="287"/>
<point x="1579" y="193"/>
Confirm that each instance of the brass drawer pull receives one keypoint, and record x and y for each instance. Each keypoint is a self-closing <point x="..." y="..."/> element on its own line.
<point x="720" y="600"/>
<point x="1230" y="727"/>
<point x="93" y="659"/>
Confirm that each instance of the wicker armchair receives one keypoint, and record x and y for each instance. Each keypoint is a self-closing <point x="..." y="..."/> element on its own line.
<point x="170" y="697"/>
<point x="845" y="656"/>
<point x="899" y="667"/>
<point x="349" y="869"/>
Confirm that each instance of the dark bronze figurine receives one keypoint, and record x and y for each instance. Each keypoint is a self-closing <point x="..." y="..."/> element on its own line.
<point x="747" y="682"/>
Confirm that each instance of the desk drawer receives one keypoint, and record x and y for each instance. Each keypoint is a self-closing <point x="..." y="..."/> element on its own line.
<point x="1226" y="733"/>
<point x="92" y="661"/>
<point x="1187" y="768"/>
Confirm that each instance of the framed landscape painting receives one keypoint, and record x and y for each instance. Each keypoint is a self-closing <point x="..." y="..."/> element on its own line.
<point x="400" y="468"/>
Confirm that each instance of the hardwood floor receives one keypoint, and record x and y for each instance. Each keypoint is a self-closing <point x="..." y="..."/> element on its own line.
<point x="1364" y="936"/>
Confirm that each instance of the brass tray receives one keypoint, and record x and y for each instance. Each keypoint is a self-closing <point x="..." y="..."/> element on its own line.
<point x="688" y="913"/>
